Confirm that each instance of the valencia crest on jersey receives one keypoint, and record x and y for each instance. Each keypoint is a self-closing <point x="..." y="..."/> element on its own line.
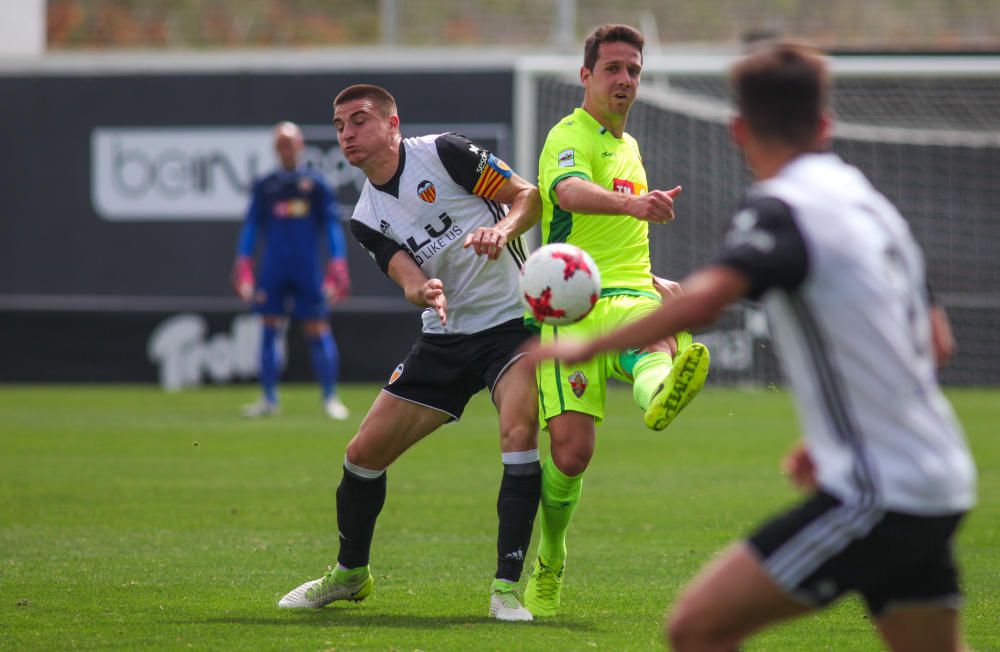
<point x="427" y="191"/>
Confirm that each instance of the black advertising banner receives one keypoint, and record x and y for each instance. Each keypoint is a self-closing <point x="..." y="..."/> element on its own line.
<point x="136" y="185"/>
<point x="124" y="193"/>
<point x="186" y="349"/>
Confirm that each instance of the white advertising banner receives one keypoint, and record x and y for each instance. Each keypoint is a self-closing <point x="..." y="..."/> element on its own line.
<point x="177" y="173"/>
<point x="205" y="173"/>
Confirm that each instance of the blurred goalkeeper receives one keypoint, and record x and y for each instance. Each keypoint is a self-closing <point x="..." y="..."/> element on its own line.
<point x="292" y="208"/>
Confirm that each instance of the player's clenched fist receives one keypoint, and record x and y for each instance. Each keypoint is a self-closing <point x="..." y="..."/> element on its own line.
<point x="435" y="298"/>
<point x="655" y="206"/>
<point x="431" y="294"/>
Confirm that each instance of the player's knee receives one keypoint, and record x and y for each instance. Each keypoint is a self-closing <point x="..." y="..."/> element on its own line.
<point x="680" y="630"/>
<point x="314" y="328"/>
<point x="353" y="454"/>
<point x="359" y="455"/>
<point x="687" y="630"/>
<point x="519" y="437"/>
<point x="572" y="460"/>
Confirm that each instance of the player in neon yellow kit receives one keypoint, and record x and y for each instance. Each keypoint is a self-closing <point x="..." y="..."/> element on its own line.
<point x="595" y="195"/>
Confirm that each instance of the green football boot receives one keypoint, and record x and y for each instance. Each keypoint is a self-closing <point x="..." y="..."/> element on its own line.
<point x="682" y="384"/>
<point x="541" y="596"/>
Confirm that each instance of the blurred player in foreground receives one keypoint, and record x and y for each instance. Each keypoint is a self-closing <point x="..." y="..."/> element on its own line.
<point x="293" y="209"/>
<point x="843" y="283"/>
<point x="594" y="195"/>
<point x="429" y="207"/>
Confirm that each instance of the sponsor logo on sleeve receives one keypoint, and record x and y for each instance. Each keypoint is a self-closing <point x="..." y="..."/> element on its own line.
<point x="628" y="187"/>
<point x="744" y="232"/>
<point x="484" y="156"/>
<point x="625" y="186"/>
<point x="566" y="158"/>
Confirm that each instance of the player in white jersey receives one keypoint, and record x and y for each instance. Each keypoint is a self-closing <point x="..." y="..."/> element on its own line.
<point x="843" y="284"/>
<point x="432" y="215"/>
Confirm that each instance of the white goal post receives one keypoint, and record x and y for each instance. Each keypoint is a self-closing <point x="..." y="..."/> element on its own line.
<point x="924" y="129"/>
<point x="659" y="68"/>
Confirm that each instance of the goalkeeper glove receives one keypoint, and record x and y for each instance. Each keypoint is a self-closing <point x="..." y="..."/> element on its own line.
<point x="337" y="282"/>
<point x="243" y="280"/>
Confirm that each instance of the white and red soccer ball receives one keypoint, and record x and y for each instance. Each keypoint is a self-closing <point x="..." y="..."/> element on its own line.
<point x="560" y="284"/>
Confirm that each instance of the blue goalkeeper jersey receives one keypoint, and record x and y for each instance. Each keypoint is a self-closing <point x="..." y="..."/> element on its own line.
<point x="293" y="210"/>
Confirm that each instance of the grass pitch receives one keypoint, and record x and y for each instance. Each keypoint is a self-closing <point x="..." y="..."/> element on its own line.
<point x="130" y="518"/>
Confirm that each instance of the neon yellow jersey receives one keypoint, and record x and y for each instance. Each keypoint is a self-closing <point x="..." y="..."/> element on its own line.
<point x="579" y="146"/>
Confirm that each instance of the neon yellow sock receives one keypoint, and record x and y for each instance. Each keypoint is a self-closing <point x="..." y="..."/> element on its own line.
<point x="560" y="495"/>
<point x="649" y="372"/>
<point x="684" y="340"/>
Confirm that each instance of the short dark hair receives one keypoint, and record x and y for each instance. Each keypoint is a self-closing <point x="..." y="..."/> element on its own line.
<point x="381" y="98"/>
<point x="782" y="90"/>
<point x="611" y="33"/>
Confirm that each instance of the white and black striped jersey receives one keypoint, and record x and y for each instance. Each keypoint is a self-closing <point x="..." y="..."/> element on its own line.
<point x="442" y="191"/>
<point x="843" y="284"/>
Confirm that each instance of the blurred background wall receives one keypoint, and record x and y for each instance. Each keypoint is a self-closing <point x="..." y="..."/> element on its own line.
<point x="861" y="24"/>
<point x="133" y="130"/>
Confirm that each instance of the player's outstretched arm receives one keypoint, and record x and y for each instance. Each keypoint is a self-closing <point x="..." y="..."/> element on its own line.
<point x="706" y="293"/>
<point x="942" y="338"/>
<point x="525" y="211"/>
<point x="582" y="196"/>
<point x="417" y="288"/>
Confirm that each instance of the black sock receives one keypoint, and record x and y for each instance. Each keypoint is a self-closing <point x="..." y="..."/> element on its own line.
<point x="359" y="501"/>
<point x="517" y="505"/>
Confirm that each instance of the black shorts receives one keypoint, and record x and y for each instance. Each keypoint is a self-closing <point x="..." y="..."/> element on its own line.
<point x="821" y="549"/>
<point x="444" y="371"/>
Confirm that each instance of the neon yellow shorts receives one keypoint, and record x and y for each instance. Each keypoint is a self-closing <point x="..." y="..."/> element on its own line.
<point x="582" y="387"/>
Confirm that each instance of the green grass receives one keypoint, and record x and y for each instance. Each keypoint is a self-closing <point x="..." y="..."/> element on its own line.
<point x="130" y="518"/>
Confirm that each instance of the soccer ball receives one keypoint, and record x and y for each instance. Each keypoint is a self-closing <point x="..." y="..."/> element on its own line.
<point x="560" y="284"/>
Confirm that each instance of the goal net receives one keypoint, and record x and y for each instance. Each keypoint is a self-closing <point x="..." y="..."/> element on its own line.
<point x="925" y="130"/>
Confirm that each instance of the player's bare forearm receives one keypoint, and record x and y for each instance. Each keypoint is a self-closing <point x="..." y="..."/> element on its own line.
<point x="581" y="196"/>
<point x="578" y="195"/>
<point x="417" y="288"/>
<point x="408" y="275"/>
<point x="525" y="207"/>
<point x="706" y="293"/>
